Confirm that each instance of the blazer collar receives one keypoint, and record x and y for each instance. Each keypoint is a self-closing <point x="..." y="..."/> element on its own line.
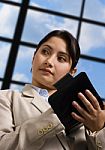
<point x="28" y="91"/>
<point x="38" y="101"/>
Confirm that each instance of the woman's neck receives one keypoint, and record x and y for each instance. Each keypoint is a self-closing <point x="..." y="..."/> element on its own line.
<point x="50" y="90"/>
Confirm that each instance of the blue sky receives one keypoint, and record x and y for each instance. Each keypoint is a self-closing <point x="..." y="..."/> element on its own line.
<point x="92" y="38"/>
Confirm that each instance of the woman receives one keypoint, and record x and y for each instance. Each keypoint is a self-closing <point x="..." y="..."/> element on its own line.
<point x="27" y="121"/>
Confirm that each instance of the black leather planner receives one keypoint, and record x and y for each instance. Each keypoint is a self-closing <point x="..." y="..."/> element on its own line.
<point x="67" y="90"/>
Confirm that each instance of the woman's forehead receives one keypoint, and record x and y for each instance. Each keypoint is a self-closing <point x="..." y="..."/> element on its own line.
<point x="57" y="44"/>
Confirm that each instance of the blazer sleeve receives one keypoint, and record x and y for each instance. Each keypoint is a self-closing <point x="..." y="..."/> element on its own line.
<point x="32" y="134"/>
<point x="96" y="140"/>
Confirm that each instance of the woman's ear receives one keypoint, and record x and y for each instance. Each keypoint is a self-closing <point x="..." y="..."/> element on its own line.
<point x="73" y="71"/>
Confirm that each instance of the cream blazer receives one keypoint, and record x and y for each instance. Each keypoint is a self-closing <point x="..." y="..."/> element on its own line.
<point x="27" y="122"/>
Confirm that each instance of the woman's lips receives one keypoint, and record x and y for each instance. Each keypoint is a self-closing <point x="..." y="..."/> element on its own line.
<point x="46" y="71"/>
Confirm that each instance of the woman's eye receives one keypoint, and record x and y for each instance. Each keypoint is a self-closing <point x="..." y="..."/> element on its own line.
<point x="62" y="59"/>
<point x="45" y="51"/>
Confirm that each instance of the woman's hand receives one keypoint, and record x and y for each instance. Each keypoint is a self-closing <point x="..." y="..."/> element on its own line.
<point x="94" y="117"/>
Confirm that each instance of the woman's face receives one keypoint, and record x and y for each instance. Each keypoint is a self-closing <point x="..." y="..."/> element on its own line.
<point x="50" y="63"/>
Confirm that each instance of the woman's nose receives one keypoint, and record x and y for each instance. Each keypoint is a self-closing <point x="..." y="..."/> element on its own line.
<point x="50" y="61"/>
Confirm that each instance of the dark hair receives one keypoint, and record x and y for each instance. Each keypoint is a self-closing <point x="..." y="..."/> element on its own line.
<point x="71" y="44"/>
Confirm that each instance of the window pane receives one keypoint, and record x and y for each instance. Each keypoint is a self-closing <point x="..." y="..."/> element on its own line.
<point x="16" y="87"/>
<point x="96" y="73"/>
<point x="92" y="40"/>
<point x="35" y="28"/>
<point x="8" y="15"/>
<point x="65" y="6"/>
<point x="95" y="10"/>
<point x="23" y="65"/>
<point x="4" y="53"/>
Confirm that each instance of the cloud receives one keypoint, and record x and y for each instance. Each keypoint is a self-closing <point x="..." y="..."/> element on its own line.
<point x="16" y="87"/>
<point x="94" y="12"/>
<point x="20" y="77"/>
<point x="4" y="51"/>
<point x="92" y="37"/>
<point x="68" y="7"/>
<point x="47" y="22"/>
<point x="64" y="24"/>
<point x="23" y="65"/>
<point x="72" y="8"/>
<point x="38" y="24"/>
<point x="8" y="15"/>
<point x="25" y="53"/>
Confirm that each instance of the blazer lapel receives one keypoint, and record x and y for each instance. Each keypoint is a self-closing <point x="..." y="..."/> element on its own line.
<point x="38" y="101"/>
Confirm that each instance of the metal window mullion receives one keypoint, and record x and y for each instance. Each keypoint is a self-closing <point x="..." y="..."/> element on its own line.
<point x="15" y="45"/>
<point x="80" y="21"/>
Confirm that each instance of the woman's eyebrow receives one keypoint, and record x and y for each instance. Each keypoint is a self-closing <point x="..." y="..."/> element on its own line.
<point x="48" y="46"/>
<point x="60" y="52"/>
<point x="64" y="53"/>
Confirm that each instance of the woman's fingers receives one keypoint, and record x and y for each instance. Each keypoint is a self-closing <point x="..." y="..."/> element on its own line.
<point x="92" y="99"/>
